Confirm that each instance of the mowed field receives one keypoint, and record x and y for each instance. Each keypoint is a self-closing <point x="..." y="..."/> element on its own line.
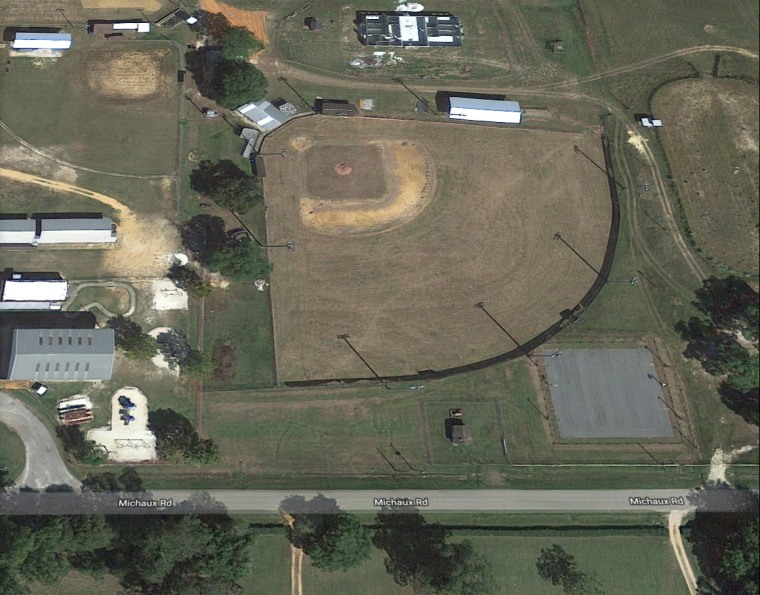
<point x="43" y="12"/>
<point x="630" y="31"/>
<point x="110" y="106"/>
<point x="485" y="232"/>
<point x="713" y="153"/>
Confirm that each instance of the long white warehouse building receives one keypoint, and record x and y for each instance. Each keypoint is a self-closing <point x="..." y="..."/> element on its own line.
<point x="41" y="41"/>
<point x="76" y="231"/>
<point x="485" y="110"/>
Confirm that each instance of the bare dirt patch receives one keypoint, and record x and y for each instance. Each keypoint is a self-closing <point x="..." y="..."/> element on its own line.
<point x="712" y="148"/>
<point x="126" y="76"/>
<point x="142" y="245"/>
<point x="254" y="21"/>
<point x="225" y="360"/>
<point x="405" y="296"/>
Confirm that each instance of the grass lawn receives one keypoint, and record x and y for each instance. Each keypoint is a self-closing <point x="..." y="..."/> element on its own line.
<point x="115" y="299"/>
<point x="76" y="583"/>
<point x="370" y="578"/>
<point x="270" y="573"/>
<point x="12" y="453"/>
<point x="482" y="418"/>
<point x="115" y="104"/>
<point x="622" y="564"/>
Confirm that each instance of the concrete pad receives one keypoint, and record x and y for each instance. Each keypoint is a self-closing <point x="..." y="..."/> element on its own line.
<point x="167" y="296"/>
<point x="607" y="393"/>
<point x="131" y="443"/>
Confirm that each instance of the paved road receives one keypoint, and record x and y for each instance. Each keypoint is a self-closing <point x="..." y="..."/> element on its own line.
<point x="44" y="465"/>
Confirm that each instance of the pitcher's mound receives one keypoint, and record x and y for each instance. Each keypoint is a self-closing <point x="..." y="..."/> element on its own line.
<point x="343" y="169"/>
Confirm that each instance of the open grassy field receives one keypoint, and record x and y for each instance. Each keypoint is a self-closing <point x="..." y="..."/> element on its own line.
<point x="401" y="278"/>
<point x="43" y="12"/>
<point x="115" y="108"/>
<point x="713" y="154"/>
<point x="484" y="421"/>
<point x="12" y="457"/>
<point x="270" y="566"/>
<point x="620" y="33"/>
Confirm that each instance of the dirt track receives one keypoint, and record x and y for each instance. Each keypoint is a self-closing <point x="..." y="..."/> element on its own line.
<point x="254" y="21"/>
<point x="142" y="246"/>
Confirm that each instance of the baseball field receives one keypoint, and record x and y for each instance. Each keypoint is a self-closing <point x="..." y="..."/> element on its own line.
<point x="400" y="228"/>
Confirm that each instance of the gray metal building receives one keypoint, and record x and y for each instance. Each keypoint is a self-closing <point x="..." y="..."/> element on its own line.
<point x="62" y="354"/>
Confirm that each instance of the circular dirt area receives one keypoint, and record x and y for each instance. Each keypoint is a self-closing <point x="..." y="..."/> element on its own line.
<point x="343" y="169"/>
<point x="125" y="75"/>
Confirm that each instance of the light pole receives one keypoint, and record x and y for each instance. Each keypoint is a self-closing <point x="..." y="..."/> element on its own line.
<point x="657" y="380"/>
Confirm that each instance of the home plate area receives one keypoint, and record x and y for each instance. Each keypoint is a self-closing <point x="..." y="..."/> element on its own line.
<point x="127" y="439"/>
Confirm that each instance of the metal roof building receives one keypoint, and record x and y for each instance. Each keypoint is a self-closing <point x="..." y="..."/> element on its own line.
<point x="76" y="231"/>
<point x="41" y="41"/>
<point x="264" y="115"/>
<point x="402" y="29"/>
<point x="485" y="110"/>
<point x="61" y="354"/>
<point x="17" y="231"/>
<point x="33" y="294"/>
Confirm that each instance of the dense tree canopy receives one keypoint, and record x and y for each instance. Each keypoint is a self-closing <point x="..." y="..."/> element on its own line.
<point x="728" y="550"/>
<point x="419" y="556"/>
<point x="725" y="340"/>
<point x="238" y="83"/>
<point x="333" y="539"/>
<point x="238" y="43"/>
<point x="177" y="440"/>
<point x="131" y="339"/>
<point x="186" y="278"/>
<point x="227" y="185"/>
<point x="241" y="261"/>
<point x="83" y="450"/>
<point x="203" y="235"/>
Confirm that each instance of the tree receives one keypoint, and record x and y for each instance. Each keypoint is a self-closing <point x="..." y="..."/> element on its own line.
<point x="726" y="546"/>
<point x="333" y="539"/>
<point x="187" y="279"/>
<point x="203" y="235"/>
<point x="745" y="403"/>
<point x="419" y="556"/>
<point x="197" y="365"/>
<point x="177" y="440"/>
<point x="127" y="481"/>
<point x="717" y="351"/>
<point x="238" y="43"/>
<point x="175" y="347"/>
<point x="85" y="451"/>
<point x="131" y="339"/>
<point x="731" y="304"/>
<point x="241" y="261"/>
<point x="227" y="185"/>
<point x="237" y="83"/>
<point x="559" y="568"/>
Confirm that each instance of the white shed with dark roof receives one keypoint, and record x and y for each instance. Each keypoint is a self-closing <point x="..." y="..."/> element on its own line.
<point x="62" y="354"/>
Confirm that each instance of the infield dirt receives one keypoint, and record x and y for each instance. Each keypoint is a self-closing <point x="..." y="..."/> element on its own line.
<point x="405" y="295"/>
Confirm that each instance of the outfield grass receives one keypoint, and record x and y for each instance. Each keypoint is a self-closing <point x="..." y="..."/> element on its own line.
<point x="12" y="453"/>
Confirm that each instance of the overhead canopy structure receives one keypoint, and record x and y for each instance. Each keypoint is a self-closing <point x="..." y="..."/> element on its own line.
<point x="485" y="110"/>
<point x="264" y="115"/>
<point x="42" y="41"/>
<point x="408" y="29"/>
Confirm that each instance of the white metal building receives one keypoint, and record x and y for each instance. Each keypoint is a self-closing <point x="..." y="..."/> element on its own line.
<point x="485" y="110"/>
<point x="76" y="231"/>
<point x="17" y="231"/>
<point x="33" y="290"/>
<point x="41" y="41"/>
